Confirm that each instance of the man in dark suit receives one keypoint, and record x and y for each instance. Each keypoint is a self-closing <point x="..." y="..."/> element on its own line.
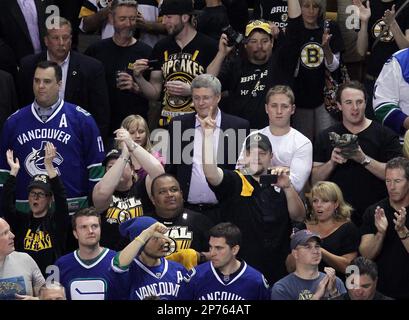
<point x="22" y="25"/>
<point x="83" y="80"/>
<point x="8" y="101"/>
<point x="185" y="145"/>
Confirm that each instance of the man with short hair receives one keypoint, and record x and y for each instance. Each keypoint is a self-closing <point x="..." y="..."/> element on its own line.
<point x="85" y="273"/>
<point x="361" y="283"/>
<point x="72" y="131"/>
<point x="189" y="229"/>
<point x="361" y="172"/>
<point x="83" y="78"/>
<point x="385" y="234"/>
<point x="181" y="56"/>
<point x="52" y="291"/>
<point x="117" y="54"/>
<point x="290" y="147"/>
<point x="306" y="282"/>
<point x="94" y="15"/>
<point x="142" y="260"/>
<point x="261" y="208"/>
<point x="185" y="132"/>
<point x="225" y="277"/>
<point x="20" y="276"/>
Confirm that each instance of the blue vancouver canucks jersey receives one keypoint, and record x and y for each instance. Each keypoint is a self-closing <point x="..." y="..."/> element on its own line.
<point x="91" y="282"/>
<point x="75" y="135"/>
<point x="204" y="283"/>
<point x="161" y="281"/>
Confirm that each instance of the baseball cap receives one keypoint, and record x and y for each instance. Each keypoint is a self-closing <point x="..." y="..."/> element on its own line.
<point x="301" y="237"/>
<point x="133" y="227"/>
<point x="258" y="140"/>
<point x="112" y="154"/>
<point x="257" y="24"/>
<point x="176" y="7"/>
<point x="41" y="181"/>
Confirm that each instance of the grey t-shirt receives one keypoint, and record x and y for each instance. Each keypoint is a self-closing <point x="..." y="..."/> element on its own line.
<point x="19" y="274"/>
<point x="293" y="287"/>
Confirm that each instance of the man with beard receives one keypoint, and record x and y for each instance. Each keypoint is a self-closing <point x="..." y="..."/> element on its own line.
<point x="181" y="56"/>
<point x="85" y="273"/>
<point x="117" y="54"/>
<point x="247" y="78"/>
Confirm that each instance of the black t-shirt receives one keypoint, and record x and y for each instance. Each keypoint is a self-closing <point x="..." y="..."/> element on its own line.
<point x="272" y="10"/>
<point x="189" y="229"/>
<point x="310" y="81"/>
<point x="342" y="241"/>
<point x="263" y="219"/>
<point x="182" y="65"/>
<point x="114" y="58"/>
<point x="387" y="45"/>
<point x="212" y="20"/>
<point x="44" y="239"/>
<point x="125" y="205"/>
<point x="360" y="187"/>
<point x="38" y="242"/>
<point x="248" y="83"/>
<point x="393" y="259"/>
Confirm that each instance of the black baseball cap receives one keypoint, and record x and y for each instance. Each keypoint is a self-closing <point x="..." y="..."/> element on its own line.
<point x="41" y="181"/>
<point x="179" y="7"/>
<point x="258" y="140"/>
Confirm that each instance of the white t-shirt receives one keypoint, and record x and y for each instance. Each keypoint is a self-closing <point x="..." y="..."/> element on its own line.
<point x="292" y="150"/>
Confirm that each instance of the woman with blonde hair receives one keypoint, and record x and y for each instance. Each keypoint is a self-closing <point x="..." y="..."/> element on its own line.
<point x="139" y="131"/>
<point x="330" y="218"/>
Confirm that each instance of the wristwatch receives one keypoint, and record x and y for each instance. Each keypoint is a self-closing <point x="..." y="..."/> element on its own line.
<point x="366" y="161"/>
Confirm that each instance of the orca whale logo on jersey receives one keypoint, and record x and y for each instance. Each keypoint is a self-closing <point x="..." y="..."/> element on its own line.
<point x="34" y="162"/>
<point x="312" y="55"/>
<point x="380" y="27"/>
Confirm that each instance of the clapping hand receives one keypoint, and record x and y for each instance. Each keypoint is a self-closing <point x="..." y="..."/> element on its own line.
<point x="381" y="223"/>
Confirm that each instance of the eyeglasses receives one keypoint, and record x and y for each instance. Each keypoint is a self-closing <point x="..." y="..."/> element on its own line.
<point x="40" y="195"/>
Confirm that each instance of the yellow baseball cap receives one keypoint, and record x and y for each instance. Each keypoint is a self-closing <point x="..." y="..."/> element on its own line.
<point x="257" y="24"/>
